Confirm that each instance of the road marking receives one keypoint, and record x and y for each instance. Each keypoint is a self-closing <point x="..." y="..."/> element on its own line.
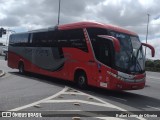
<point x="2" y="73"/>
<point x="73" y="93"/>
<point x="119" y="98"/>
<point x="79" y="101"/>
<point x="109" y="104"/>
<point x="40" y="101"/>
<point x="6" y="75"/>
<point x="105" y="103"/>
<point x="153" y="107"/>
<point x="64" y="91"/>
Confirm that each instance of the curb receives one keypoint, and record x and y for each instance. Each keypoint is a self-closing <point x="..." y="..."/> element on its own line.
<point x="2" y="73"/>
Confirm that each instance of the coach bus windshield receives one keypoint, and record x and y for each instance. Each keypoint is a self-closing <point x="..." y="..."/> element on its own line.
<point x="130" y="59"/>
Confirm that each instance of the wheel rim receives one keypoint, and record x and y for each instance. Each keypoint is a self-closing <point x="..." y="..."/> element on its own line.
<point x="21" y="69"/>
<point x="81" y="80"/>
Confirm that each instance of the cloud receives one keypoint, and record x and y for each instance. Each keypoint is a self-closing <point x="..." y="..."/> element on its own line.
<point x="119" y="12"/>
<point x="10" y="21"/>
<point x="34" y="14"/>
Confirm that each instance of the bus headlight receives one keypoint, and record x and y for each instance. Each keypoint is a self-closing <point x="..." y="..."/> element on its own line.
<point x="116" y="76"/>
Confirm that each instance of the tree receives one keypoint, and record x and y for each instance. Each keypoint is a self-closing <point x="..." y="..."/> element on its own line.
<point x="157" y="63"/>
<point x="149" y="63"/>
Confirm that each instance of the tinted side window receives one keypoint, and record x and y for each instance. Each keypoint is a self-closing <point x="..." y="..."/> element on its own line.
<point x="72" y="38"/>
<point x="77" y="40"/>
<point x="102" y="47"/>
<point x="60" y="38"/>
<point x="39" y="38"/>
<point x="45" y="39"/>
<point x="19" y="39"/>
<point x="93" y="32"/>
<point x="11" y="41"/>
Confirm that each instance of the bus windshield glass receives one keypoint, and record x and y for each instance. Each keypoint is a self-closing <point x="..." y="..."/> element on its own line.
<point x="130" y="59"/>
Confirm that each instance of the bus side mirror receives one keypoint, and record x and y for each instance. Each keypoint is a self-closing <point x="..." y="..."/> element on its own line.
<point x="151" y="47"/>
<point x="114" y="40"/>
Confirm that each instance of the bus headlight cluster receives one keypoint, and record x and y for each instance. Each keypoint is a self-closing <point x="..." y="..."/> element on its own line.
<point x="116" y="76"/>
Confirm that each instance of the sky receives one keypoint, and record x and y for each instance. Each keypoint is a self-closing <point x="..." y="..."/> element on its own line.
<point x="24" y="15"/>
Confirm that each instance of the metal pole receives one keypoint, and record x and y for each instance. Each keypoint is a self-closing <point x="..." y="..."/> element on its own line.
<point x="7" y="37"/>
<point x="147" y="32"/>
<point x="59" y="11"/>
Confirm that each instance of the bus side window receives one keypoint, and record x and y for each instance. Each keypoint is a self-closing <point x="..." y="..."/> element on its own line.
<point x="71" y="38"/>
<point x="11" y="40"/>
<point x="38" y="39"/>
<point x="77" y="39"/>
<point x="30" y="38"/>
<point x="102" y="48"/>
<point x="102" y="51"/>
<point x="19" y="39"/>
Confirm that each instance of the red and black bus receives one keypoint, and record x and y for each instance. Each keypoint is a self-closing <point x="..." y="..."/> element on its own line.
<point x="87" y="53"/>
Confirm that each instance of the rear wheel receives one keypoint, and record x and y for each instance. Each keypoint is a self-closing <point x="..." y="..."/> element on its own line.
<point x="21" y="68"/>
<point x="81" y="80"/>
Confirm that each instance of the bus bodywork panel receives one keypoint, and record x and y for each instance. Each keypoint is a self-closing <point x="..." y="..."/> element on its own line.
<point x="44" y="61"/>
<point x="91" y="52"/>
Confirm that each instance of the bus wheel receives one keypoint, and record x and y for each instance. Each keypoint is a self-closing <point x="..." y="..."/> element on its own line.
<point x="21" y="68"/>
<point x="81" y="80"/>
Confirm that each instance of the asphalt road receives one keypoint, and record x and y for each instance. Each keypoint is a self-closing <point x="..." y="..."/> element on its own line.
<point x="39" y="93"/>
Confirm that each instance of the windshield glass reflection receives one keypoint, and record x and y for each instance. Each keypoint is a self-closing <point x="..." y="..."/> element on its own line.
<point x="130" y="59"/>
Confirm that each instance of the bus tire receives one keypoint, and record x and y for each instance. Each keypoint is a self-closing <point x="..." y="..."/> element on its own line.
<point x="21" y="68"/>
<point x="81" y="79"/>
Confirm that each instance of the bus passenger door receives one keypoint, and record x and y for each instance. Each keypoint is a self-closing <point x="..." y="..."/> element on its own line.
<point x="103" y="55"/>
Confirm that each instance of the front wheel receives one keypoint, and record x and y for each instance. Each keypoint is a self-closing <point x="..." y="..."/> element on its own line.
<point x="81" y="80"/>
<point x="21" y="68"/>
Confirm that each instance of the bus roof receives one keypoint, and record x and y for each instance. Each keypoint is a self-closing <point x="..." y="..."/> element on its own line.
<point x="94" y="24"/>
<point x="37" y="30"/>
<point x="82" y="25"/>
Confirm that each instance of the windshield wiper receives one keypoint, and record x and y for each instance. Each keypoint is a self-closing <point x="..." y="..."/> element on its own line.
<point x="139" y="66"/>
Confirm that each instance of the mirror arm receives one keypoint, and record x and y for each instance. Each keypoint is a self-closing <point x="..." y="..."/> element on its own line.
<point x="114" y="40"/>
<point x="151" y="47"/>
